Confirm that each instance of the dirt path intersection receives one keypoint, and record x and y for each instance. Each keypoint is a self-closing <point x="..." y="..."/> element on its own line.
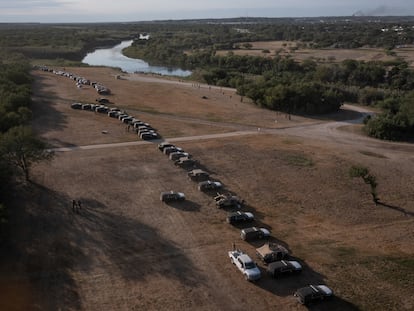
<point x="126" y="250"/>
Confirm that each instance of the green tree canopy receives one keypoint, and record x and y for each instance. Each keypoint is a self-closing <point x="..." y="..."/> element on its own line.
<point x="20" y="148"/>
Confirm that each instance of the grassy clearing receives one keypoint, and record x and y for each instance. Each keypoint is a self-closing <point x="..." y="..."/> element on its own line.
<point x="344" y="253"/>
<point x="291" y="141"/>
<point x="397" y="271"/>
<point x="298" y="159"/>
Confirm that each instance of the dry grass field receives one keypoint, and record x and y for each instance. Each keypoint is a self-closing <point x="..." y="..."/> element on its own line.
<point x="126" y="250"/>
<point x="322" y="55"/>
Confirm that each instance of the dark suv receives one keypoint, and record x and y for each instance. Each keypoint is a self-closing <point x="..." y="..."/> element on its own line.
<point x="170" y="196"/>
<point x="283" y="267"/>
<point x="198" y="175"/>
<point x="254" y="233"/>
<point x="163" y="145"/>
<point x="313" y="293"/>
<point x="238" y="217"/>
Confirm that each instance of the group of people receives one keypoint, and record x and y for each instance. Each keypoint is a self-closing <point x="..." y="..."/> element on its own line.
<point x="76" y="206"/>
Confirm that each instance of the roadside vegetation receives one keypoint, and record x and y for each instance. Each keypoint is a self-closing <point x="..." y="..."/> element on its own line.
<point x="274" y="81"/>
<point x="19" y="147"/>
<point x="68" y="257"/>
<point x="278" y="82"/>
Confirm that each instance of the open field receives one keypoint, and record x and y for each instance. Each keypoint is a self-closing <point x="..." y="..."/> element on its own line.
<point x="322" y="55"/>
<point x="126" y="250"/>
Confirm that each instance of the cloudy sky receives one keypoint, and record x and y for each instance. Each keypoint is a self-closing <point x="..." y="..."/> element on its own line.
<point x="139" y="10"/>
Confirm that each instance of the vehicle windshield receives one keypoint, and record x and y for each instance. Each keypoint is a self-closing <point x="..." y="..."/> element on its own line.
<point x="250" y="265"/>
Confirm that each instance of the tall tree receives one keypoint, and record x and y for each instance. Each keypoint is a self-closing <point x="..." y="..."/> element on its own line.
<point x="21" y="149"/>
<point x="363" y="172"/>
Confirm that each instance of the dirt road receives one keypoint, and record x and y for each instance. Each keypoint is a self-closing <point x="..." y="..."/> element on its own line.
<point x="126" y="250"/>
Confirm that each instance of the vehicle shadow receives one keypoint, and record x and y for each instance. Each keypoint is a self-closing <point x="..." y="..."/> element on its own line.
<point x="53" y="243"/>
<point x="187" y="167"/>
<point x="246" y="207"/>
<point x="335" y="303"/>
<point x="186" y="206"/>
<point x="288" y="284"/>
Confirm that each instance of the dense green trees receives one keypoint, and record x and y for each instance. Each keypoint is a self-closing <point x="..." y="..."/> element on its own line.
<point x="397" y="121"/>
<point x="15" y="89"/>
<point x="19" y="148"/>
<point x="280" y="83"/>
<point x="271" y="81"/>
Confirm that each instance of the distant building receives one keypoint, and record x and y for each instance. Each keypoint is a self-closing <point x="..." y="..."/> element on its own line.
<point x="144" y="36"/>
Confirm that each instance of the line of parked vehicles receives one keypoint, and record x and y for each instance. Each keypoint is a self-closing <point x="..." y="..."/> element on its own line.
<point x="80" y="81"/>
<point x="276" y="257"/>
<point x="144" y="130"/>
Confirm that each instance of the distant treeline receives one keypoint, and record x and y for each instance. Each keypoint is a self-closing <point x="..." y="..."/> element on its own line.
<point x="15" y="92"/>
<point x="169" y="39"/>
<point x="280" y="83"/>
<point x="271" y="81"/>
<point x="19" y="147"/>
<point x="50" y="42"/>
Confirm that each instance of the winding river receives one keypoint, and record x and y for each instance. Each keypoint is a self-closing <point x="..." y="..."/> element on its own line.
<point x="113" y="57"/>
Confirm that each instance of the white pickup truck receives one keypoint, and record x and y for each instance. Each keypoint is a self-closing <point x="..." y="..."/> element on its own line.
<point x="245" y="264"/>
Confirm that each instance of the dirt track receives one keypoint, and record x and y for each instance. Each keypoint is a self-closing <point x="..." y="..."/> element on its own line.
<point x="128" y="251"/>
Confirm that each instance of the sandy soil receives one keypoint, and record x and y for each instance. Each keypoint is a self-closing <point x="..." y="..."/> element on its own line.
<point x="126" y="250"/>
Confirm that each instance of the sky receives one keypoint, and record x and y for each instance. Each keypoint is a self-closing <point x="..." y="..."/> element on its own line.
<point x="67" y="11"/>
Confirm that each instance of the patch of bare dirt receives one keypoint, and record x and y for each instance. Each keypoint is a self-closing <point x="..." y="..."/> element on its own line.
<point x="323" y="55"/>
<point x="126" y="250"/>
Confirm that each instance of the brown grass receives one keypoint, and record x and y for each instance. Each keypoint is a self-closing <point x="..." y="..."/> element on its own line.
<point x="321" y="55"/>
<point x="127" y="251"/>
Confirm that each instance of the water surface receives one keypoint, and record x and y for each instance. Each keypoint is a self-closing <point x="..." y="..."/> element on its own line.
<point x="113" y="57"/>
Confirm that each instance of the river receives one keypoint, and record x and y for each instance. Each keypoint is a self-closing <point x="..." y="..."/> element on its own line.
<point x="113" y="57"/>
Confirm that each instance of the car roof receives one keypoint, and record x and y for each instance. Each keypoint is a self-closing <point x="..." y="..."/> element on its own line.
<point x="283" y="263"/>
<point x="325" y="289"/>
<point x="276" y="265"/>
<point x="295" y="264"/>
<point x="167" y="192"/>
<point x="185" y="159"/>
<point x="306" y="291"/>
<point x="265" y="231"/>
<point x="251" y="229"/>
<point x="198" y="171"/>
<point x="245" y="258"/>
<point x="235" y="213"/>
<point x="269" y="248"/>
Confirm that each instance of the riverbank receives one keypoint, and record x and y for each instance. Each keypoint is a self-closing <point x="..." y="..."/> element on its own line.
<point x="113" y="57"/>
